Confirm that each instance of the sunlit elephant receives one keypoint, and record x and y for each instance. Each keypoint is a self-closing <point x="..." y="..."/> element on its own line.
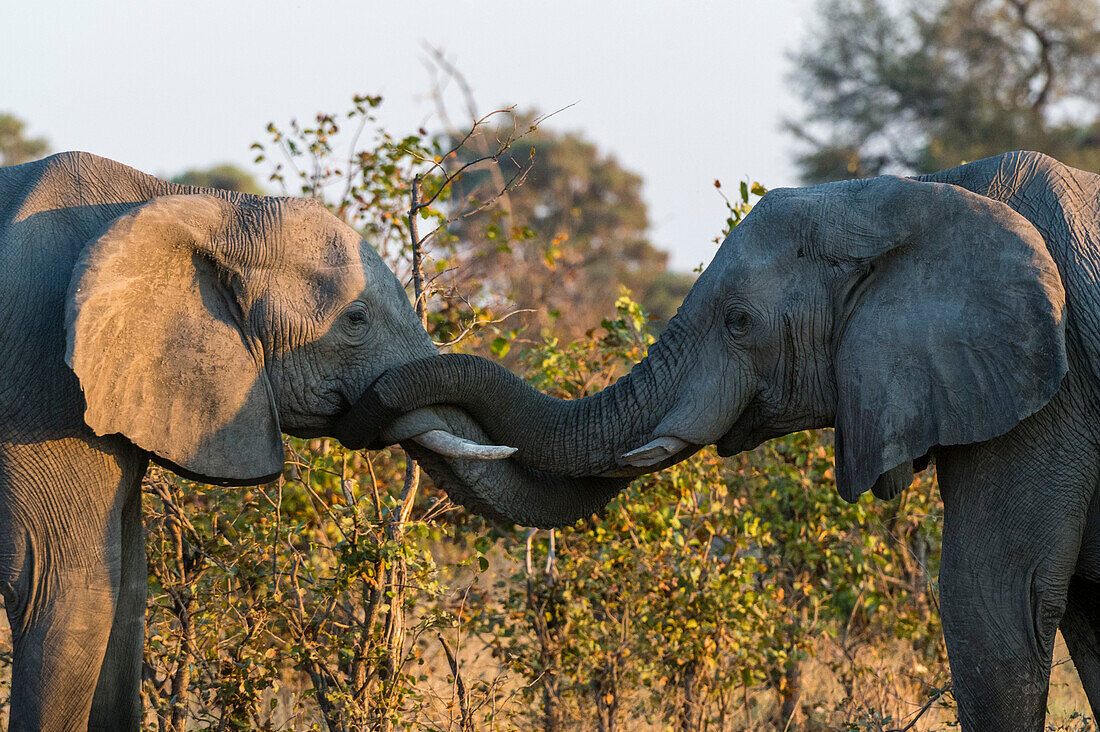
<point x="954" y="317"/>
<point x="138" y="319"/>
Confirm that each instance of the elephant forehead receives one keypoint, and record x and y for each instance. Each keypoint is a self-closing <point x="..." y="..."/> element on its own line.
<point x="748" y="265"/>
<point x="314" y="237"/>
<point x="318" y="288"/>
<point x="299" y="296"/>
<point x="320" y="261"/>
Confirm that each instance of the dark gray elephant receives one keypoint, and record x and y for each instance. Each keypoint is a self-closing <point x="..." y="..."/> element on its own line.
<point x="954" y="317"/>
<point x="138" y="319"/>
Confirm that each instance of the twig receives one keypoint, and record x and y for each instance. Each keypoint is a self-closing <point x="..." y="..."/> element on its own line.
<point x="528" y="565"/>
<point x="417" y="252"/>
<point x="923" y="710"/>
<point x="550" y="554"/>
<point x="466" y="722"/>
<point x="408" y="491"/>
<point x="478" y="324"/>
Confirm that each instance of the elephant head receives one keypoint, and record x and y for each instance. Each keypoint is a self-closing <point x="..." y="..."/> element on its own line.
<point x="202" y="325"/>
<point x="905" y="314"/>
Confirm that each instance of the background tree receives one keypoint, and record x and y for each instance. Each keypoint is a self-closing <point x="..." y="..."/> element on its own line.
<point x="896" y="88"/>
<point x="15" y="146"/>
<point x="717" y="594"/>
<point x="325" y="580"/>
<point x="225" y="176"/>
<point x="563" y="243"/>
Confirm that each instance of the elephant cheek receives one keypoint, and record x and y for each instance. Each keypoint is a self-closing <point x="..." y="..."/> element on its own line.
<point x="734" y="442"/>
<point x="741" y="436"/>
<point x="708" y="413"/>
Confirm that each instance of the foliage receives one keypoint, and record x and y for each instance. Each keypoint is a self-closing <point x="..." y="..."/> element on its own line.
<point x="736" y="594"/>
<point x="278" y="606"/>
<point x="15" y="146"/>
<point x="370" y="188"/>
<point x="708" y="582"/>
<point x="893" y="88"/>
<point x="226" y="176"/>
<point x="740" y="206"/>
<point x="306" y="602"/>
<point x="564" y="242"/>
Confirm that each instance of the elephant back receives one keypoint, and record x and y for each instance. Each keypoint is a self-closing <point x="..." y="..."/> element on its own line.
<point x="1063" y="204"/>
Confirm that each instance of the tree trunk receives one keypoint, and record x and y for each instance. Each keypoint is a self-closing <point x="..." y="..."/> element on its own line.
<point x="791" y="694"/>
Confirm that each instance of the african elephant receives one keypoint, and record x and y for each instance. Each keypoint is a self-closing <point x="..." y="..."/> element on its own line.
<point x="143" y="319"/>
<point x="953" y="317"/>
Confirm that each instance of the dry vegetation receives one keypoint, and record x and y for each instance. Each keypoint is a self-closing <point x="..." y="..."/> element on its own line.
<point x="716" y="595"/>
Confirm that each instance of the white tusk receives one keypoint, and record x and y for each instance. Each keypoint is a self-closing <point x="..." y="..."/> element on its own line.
<point x="453" y="446"/>
<point x="655" y="451"/>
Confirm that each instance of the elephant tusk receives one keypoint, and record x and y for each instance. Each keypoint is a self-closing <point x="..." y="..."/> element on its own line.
<point x="655" y="451"/>
<point x="453" y="446"/>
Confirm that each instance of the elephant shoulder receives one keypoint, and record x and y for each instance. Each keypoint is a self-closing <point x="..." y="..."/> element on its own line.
<point x="50" y="208"/>
<point x="1002" y="176"/>
<point x="75" y="180"/>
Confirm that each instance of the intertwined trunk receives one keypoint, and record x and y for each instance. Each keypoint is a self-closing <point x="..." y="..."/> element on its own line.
<point x="566" y="448"/>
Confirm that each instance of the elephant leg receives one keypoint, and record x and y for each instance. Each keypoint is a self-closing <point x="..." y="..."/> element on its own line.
<point x="1013" y="521"/>
<point x="1081" y="629"/>
<point x="117" y="701"/>
<point x="61" y="505"/>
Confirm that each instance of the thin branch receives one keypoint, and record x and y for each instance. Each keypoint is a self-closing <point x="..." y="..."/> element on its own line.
<point x="417" y="253"/>
<point x="408" y="491"/>
<point x="466" y="722"/>
<point x="494" y="157"/>
<point x="434" y="164"/>
<point x="514" y="182"/>
<point x="452" y="176"/>
<point x="480" y="323"/>
<point x="459" y="78"/>
<point x="923" y="710"/>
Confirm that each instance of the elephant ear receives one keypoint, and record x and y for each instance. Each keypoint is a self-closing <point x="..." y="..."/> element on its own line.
<point x="950" y="329"/>
<point x="158" y="342"/>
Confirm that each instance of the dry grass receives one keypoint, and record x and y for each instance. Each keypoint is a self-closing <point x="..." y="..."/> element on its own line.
<point x="876" y="689"/>
<point x="890" y="685"/>
<point x="5" y="668"/>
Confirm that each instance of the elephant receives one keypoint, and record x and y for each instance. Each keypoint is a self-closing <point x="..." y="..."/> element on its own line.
<point x="142" y="319"/>
<point x="952" y="317"/>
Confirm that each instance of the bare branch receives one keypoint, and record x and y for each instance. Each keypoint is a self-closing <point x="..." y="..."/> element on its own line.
<point x="923" y="710"/>
<point x="466" y="722"/>
<point x="479" y="324"/>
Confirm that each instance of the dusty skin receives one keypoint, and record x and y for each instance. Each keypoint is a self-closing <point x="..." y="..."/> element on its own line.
<point x="952" y="318"/>
<point x="143" y="319"/>
<point x="955" y="318"/>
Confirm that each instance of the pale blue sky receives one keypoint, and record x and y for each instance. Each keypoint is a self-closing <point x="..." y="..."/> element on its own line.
<point x="680" y="92"/>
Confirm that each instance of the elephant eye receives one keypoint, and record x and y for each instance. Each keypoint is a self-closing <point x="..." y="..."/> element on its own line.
<point x="355" y="320"/>
<point x="738" y="323"/>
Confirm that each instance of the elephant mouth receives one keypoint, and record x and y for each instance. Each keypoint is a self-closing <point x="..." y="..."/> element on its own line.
<point x="744" y="437"/>
<point x="371" y="424"/>
<point x="506" y="490"/>
<point x="658" y="453"/>
<point x="426" y="428"/>
<point x="732" y="443"/>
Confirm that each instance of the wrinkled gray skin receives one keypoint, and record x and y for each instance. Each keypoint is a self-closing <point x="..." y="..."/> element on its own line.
<point x="139" y="319"/>
<point x="954" y="317"/>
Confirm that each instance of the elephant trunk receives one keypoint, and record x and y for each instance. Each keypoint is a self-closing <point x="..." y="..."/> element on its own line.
<point x="508" y="489"/>
<point x="569" y="459"/>
<point x="564" y="438"/>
